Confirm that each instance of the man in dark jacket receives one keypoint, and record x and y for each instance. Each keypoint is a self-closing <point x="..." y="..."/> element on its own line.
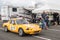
<point x="56" y="17"/>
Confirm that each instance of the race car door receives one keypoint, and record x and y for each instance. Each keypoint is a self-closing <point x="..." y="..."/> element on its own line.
<point x="13" y="26"/>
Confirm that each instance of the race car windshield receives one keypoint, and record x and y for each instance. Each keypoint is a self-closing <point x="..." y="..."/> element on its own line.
<point x="22" y="21"/>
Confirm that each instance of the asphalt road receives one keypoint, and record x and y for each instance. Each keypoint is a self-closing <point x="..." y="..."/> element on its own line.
<point x="53" y="33"/>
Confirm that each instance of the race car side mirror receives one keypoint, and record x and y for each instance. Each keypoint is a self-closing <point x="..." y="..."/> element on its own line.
<point x="14" y="24"/>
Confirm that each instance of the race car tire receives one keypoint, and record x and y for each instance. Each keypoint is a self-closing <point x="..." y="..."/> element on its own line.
<point x="5" y="29"/>
<point x="21" y="32"/>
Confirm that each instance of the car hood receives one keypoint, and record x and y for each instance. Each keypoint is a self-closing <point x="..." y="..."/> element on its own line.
<point x="34" y="26"/>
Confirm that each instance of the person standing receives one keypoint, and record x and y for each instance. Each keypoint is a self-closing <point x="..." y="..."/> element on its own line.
<point x="56" y="17"/>
<point x="45" y="17"/>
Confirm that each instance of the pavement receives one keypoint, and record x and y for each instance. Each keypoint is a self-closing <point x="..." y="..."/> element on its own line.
<point x="53" y="33"/>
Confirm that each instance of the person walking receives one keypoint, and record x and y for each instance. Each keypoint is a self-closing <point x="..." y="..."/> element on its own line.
<point x="42" y="23"/>
<point x="46" y="18"/>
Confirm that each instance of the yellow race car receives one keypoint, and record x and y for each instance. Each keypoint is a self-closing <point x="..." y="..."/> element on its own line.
<point x="21" y="26"/>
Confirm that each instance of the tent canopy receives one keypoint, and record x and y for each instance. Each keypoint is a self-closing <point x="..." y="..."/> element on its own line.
<point x="45" y="8"/>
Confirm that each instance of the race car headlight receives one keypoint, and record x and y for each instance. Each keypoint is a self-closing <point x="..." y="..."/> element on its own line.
<point x="27" y="28"/>
<point x="39" y="26"/>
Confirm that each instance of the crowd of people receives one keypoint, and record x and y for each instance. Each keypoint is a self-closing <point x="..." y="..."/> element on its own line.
<point x="44" y="19"/>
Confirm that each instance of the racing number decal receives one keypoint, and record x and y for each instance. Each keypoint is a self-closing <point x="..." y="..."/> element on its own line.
<point x="12" y="28"/>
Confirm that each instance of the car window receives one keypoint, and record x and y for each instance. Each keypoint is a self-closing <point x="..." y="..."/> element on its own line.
<point x="22" y="21"/>
<point x="18" y="22"/>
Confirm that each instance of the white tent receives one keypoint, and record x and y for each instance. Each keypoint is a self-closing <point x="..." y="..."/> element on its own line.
<point x="37" y="10"/>
<point x="45" y="8"/>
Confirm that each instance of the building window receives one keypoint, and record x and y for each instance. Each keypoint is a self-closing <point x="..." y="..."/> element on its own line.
<point x="14" y="9"/>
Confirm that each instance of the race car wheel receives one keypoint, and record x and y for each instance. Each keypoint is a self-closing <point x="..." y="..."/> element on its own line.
<point x="5" y="29"/>
<point x="21" y="32"/>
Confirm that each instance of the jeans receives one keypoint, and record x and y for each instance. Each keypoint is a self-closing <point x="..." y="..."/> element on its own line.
<point x="43" y="25"/>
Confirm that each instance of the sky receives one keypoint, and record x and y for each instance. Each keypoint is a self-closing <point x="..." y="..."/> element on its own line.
<point x="29" y="2"/>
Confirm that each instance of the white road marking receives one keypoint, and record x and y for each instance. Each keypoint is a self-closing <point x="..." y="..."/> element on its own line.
<point x="42" y="38"/>
<point x="54" y="30"/>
